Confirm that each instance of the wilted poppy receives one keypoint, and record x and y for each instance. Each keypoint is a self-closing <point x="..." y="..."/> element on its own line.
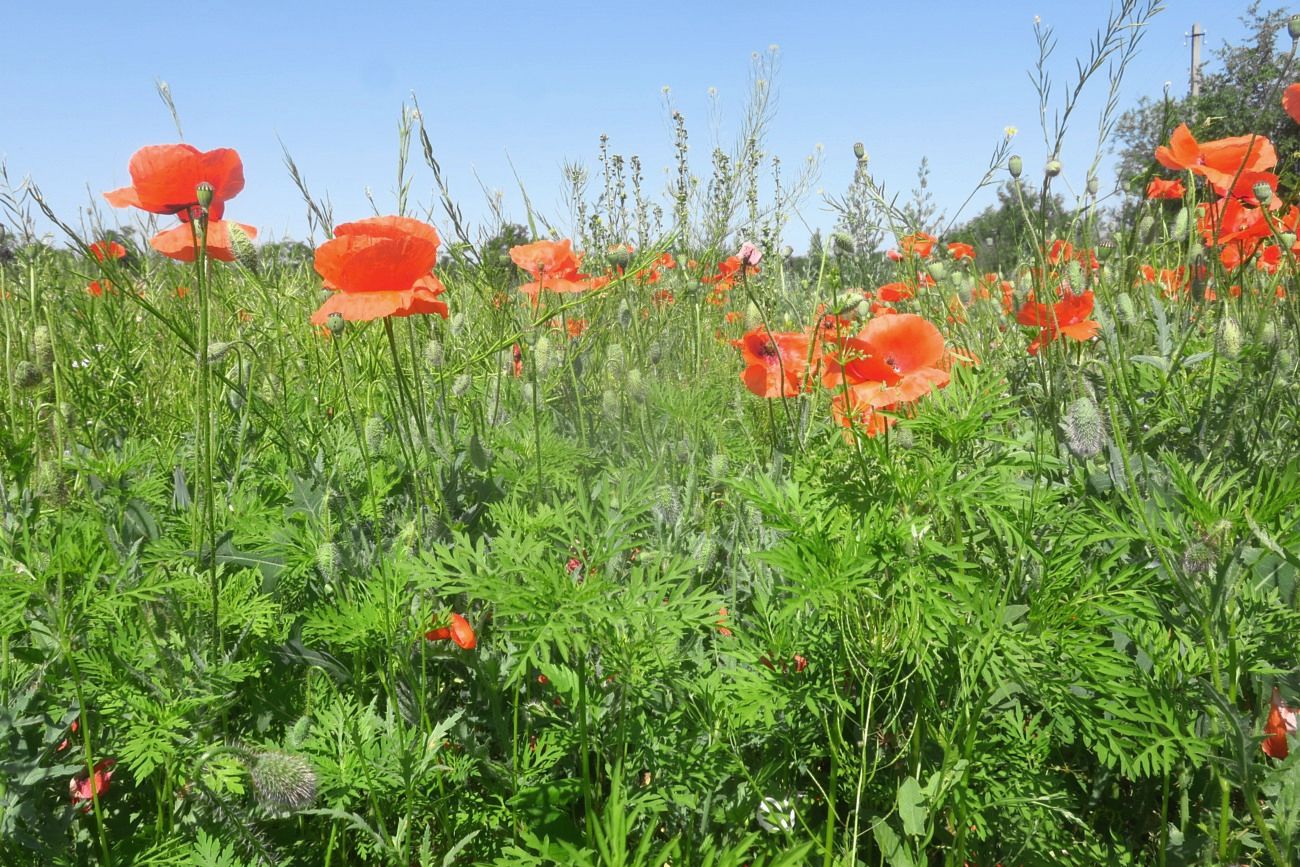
<point x="1160" y="188"/>
<point x="381" y="266"/>
<point x="459" y="631"/>
<point x="1281" y="721"/>
<point x="178" y="242"/>
<point x="105" y="250"/>
<point x="164" y="179"/>
<point x="776" y="364"/>
<point x="84" y="788"/>
<point x="1220" y="162"/>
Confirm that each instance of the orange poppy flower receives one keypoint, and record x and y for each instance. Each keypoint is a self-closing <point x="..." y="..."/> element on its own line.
<point x="901" y="353"/>
<point x="891" y="292"/>
<point x="776" y="364"/>
<point x="1159" y="188"/>
<point x="1281" y="721"/>
<point x="104" y="250"/>
<point x="961" y="251"/>
<point x="97" y="288"/>
<point x="460" y="631"/>
<point x="1067" y="316"/>
<point x="178" y="242"/>
<point x="1220" y="162"/>
<point x="381" y="266"/>
<point x="553" y="266"/>
<point x="164" y="179"/>
<point x="722" y="622"/>
<point x="917" y="244"/>
<point x="1291" y="101"/>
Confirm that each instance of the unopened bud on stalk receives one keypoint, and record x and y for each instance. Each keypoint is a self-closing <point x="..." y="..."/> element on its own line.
<point x="1268" y="334"/>
<point x="1229" y="340"/>
<point x="1084" y="431"/>
<point x="1181" y="222"/>
<point x="335" y="323"/>
<point x="1198" y="559"/>
<point x="203" y="195"/>
<point x="282" y="780"/>
<point x="609" y="405"/>
<point x="1075" y="274"/>
<point x="43" y="349"/>
<point x="1263" y="192"/>
<point x="219" y="350"/>
<point x="619" y="256"/>
<point x="328" y="559"/>
<point x="433" y="354"/>
<point x="787" y="251"/>
<point x="859" y="150"/>
<point x="1125" y="308"/>
<point x="1288" y="240"/>
<point x="1053" y="168"/>
<point x="843" y="243"/>
<point x="1015" y="165"/>
<point x="460" y="385"/>
<point x="26" y="375"/>
<point x="242" y="246"/>
<point x="636" y="386"/>
<point x="936" y="269"/>
<point x="1093" y="185"/>
<point x="1145" y="225"/>
<point x="374" y="433"/>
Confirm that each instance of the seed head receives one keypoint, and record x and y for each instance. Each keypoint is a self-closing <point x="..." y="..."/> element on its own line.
<point x="1263" y="192"/>
<point x="203" y="195"/>
<point x="335" y="323"/>
<point x="1053" y="168"/>
<point x="1293" y="28"/>
<point x="1015" y="165"/>
<point x="859" y="151"/>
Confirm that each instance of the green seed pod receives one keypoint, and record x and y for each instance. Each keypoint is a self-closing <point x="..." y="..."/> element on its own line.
<point x="859" y="150"/>
<point x="243" y="248"/>
<point x="433" y="354"/>
<point x="1293" y="28"/>
<point x="1105" y="251"/>
<point x="1015" y="165"/>
<point x="1288" y="240"/>
<point x="936" y="270"/>
<point x="1229" y="338"/>
<point x="460" y="385"/>
<point x="1085" y="433"/>
<point x="1145" y="225"/>
<point x="203" y="194"/>
<point x="374" y="434"/>
<point x="1053" y="168"/>
<point x="43" y="349"/>
<point x="335" y="323"/>
<point x="282" y="781"/>
<point x="1093" y="185"/>
<point x="1263" y="193"/>
<point x="902" y="437"/>
<point x="655" y="352"/>
<point x="26" y="375"/>
<point x="328" y="559"/>
<point x="619" y="256"/>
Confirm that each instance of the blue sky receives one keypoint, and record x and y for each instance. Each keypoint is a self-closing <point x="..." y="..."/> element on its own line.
<point x="537" y="84"/>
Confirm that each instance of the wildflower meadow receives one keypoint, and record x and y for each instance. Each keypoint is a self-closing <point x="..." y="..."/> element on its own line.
<point x="631" y="536"/>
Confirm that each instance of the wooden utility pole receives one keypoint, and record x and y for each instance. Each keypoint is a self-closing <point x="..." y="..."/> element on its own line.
<point x="1197" y="35"/>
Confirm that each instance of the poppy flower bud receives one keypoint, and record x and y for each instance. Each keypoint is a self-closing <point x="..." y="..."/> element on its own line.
<point x="1229" y="339"/>
<point x="753" y="316"/>
<point x="655" y="353"/>
<point x="1126" y="309"/>
<point x="218" y="350"/>
<point x="282" y="781"/>
<point x="26" y="375"/>
<point x="43" y="349"/>
<point x="1263" y="192"/>
<point x="610" y="407"/>
<point x="718" y="465"/>
<point x="1198" y="559"/>
<point x="786" y="251"/>
<point x="457" y="323"/>
<point x="1015" y="165"/>
<point x="1085" y="433"/>
<point x="636" y="388"/>
<point x="328" y="559"/>
<point x="460" y="385"/>
<point x="1053" y="168"/>
<point x="1145" y="226"/>
<point x="624" y="315"/>
<point x="1288" y="240"/>
<point x="374" y="433"/>
<point x="242" y="246"/>
<point x="1093" y="185"/>
<point x="1268" y="334"/>
<point x="1075" y="274"/>
<point x="335" y="323"/>
<point x="433" y="354"/>
<point x="843" y="244"/>
<point x="1293" y="28"/>
<point x="544" y="356"/>
<point x="936" y="270"/>
<point x="203" y="194"/>
<point x="619" y="256"/>
<point x="859" y="150"/>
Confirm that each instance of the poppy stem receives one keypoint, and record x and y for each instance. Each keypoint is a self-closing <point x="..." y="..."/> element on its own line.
<point x="204" y="430"/>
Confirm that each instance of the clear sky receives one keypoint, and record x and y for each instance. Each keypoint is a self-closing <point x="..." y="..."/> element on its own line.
<point x="536" y="84"/>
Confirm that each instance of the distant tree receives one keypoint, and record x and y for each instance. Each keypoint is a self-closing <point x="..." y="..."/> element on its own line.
<point x="1241" y="96"/>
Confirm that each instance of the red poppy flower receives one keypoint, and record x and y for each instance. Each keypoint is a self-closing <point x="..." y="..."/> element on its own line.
<point x="63" y="744"/>
<point x="104" y="250"/>
<point x="1067" y="316"/>
<point x="776" y="364"/>
<point x="900" y="352"/>
<point x="917" y="244"/>
<point x="1219" y="162"/>
<point x="178" y="242"/>
<point x="1159" y="188"/>
<point x="891" y="292"/>
<point x="553" y="266"/>
<point x="1281" y="720"/>
<point x="164" y="179"/>
<point x="1291" y="101"/>
<point x="381" y="266"/>
<point x="97" y="288"/>
<point x="722" y="622"/>
<point x="961" y="251"/>
<point x="84" y="788"/>
<point x="459" y="631"/>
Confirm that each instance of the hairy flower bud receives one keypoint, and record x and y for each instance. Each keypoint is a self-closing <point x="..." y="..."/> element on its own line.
<point x="1229" y="338"/>
<point x="328" y="559"/>
<point x="1093" y="185"/>
<point x="26" y="375"/>
<point x="242" y="246"/>
<point x="43" y="349"/>
<point x="374" y="433"/>
<point x="1126" y="309"/>
<point x="218" y="350"/>
<point x="636" y="388"/>
<point x="843" y="243"/>
<point x="1085" y="433"/>
<point x="433" y="354"/>
<point x="460" y="385"/>
<point x="282" y="781"/>
<point x="610" y="406"/>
